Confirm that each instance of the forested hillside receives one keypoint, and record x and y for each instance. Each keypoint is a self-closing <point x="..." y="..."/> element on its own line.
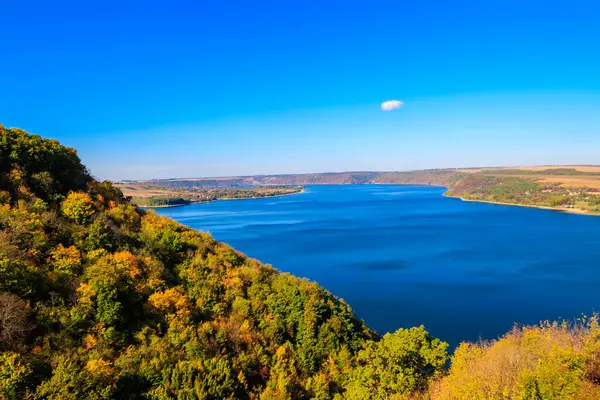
<point x="101" y="300"/>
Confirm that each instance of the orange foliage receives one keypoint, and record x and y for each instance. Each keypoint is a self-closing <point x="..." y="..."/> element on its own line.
<point x="89" y="341"/>
<point x="128" y="263"/>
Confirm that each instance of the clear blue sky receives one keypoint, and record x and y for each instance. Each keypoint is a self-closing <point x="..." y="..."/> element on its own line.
<point x="208" y="88"/>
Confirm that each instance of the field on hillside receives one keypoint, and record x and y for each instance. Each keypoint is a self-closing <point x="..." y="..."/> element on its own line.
<point x="566" y="176"/>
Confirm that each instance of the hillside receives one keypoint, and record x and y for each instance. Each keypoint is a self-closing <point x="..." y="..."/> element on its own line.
<point x="572" y="189"/>
<point x="102" y="300"/>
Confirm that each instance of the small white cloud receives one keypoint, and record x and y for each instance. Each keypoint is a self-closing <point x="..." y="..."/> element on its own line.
<point x="391" y="105"/>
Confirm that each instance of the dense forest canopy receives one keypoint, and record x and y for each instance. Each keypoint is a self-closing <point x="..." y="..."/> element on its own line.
<point x="101" y="300"/>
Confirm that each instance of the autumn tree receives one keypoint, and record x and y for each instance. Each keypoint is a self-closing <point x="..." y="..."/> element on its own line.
<point x="78" y="207"/>
<point x="13" y="321"/>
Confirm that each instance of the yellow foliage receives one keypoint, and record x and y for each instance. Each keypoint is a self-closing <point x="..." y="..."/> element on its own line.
<point x="66" y="259"/>
<point x="99" y="367"/>
<point x="78" y="207"/>
<point x="86" y="292"/>
<point x="245" y="327"/>
<point x="95" y="255"/>
<point x="166" y="299"/>
<point x="4" y="197"/>
<point x="232" y="280"/>
<point x="125" y="215"/>
<point x="550" y="361"/>
<point x="242" y="378"/>
<point x="113" y="268"/>
<point x="155" y="284"/>
<point x="171" y="301"/>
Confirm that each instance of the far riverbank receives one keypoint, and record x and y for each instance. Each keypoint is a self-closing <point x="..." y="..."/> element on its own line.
<point x="222" y="199"/>
<point x="559" y="209"/>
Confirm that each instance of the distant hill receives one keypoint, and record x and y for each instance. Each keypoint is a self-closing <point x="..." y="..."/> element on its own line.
<point x="440" y="177"/>
<point x="291" y="179"/>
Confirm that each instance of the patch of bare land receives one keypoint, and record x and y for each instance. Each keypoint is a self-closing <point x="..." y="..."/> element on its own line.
<point x="571" y="181"/>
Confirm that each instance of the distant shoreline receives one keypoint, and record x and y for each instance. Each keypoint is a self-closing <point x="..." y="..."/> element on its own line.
<point x="263" y="197"/>
<point x="224" y="199"/>
<point x="171" y="205"/>
<point x="576" y="211"/>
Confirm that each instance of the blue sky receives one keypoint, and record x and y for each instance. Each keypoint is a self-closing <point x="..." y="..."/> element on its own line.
<point x="209" y="88"/>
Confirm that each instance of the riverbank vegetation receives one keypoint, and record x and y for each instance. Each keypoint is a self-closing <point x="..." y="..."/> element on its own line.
<point x="102" y="300"/>
<point x="157" y="195"/>
<point x="531" y="190"/>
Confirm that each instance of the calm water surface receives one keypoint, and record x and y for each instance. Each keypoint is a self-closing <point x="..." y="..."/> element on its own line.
<point x="405" y="256"/>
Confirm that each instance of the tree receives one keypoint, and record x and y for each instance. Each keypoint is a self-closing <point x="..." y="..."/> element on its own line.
<point x="66" y="259"/>
<point x="78" y="207"/>
<point x="400" y="363"/>
<point x="13" y="321"/>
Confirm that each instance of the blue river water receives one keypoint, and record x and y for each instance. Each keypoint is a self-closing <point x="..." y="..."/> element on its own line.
<point x="404" y="255"/>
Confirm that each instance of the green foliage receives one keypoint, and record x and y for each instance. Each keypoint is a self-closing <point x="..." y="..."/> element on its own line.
<point x="13" y="376"/>
<point x="401" y="363"/>
<point x="100" y="236"/>
<point x="213" y="378"/>
<point x="17" y="277"/>
<point x="74" y="379"/>
<point x="43" y="166"/>
<point x="160" y="201"/>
